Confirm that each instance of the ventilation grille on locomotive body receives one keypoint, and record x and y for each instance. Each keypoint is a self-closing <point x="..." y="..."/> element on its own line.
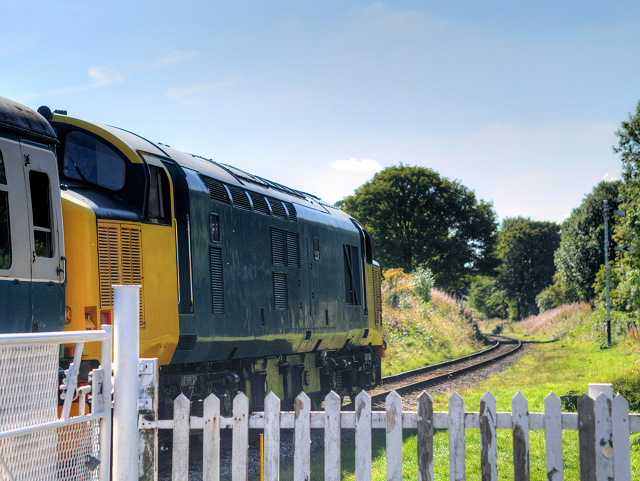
<point x="377" y="297"/>
<point x="220" y="192"/>
<point x="119" y="261"/>
<point x="217" y="282"/>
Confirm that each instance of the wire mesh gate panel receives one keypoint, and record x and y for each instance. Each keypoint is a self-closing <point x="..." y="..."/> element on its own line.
<point x="35" y="443"/>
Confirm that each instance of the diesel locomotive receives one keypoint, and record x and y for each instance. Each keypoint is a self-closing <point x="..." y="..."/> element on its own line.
<point x="247" y="285"/>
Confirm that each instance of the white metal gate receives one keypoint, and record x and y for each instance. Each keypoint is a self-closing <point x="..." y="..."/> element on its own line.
<point x="36" y="443"/>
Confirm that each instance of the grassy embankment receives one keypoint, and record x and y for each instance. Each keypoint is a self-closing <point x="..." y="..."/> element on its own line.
<point x="421" y="333"/>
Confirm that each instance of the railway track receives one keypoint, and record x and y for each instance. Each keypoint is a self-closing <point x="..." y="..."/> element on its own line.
<point x="419" y="379"/>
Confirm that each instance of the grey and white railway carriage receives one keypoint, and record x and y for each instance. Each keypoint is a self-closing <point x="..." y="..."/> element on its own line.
<point x="32" y="263"/>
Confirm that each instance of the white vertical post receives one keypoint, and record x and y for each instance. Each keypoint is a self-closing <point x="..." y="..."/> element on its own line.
<point x="363" y="437"/>
<point x="302" y="438"/>
<point x="240" y="438"/>
<point x="272" y="437"/>
<point x="456" y="437"/>
<point x="394" y="436"/>
<point x="126" y="302"/>
<point x="211" y="439"/>
<point x="553" y="437"/>
<point x="105" y="425"/>
<point x="148" y="410"/>
<point x="332" y="431"/>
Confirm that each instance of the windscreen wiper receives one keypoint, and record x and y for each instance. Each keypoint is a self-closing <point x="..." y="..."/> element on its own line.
<point x="78" y="170"/>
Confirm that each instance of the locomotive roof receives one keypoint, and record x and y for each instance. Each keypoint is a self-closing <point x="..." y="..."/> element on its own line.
<point x="25" y="122"/>
<point x="223" y="172"/>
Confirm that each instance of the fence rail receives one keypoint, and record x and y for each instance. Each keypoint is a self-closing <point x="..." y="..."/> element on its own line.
<point x="603" y="426"/>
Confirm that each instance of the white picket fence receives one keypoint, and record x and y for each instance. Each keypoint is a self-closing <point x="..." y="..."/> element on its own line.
<point x="603" y="425"/>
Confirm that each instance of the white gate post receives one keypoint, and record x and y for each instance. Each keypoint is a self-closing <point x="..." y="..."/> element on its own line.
<point x="106" y="357"/>
<point x="126" y="330"/>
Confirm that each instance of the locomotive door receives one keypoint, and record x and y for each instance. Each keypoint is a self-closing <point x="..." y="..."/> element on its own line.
<point x="311" y="277"/>
<point x="44" y="214"/>
<point x="15" y="273"/>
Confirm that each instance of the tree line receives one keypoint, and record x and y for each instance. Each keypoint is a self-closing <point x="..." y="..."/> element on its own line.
<point x="419" y="219"/>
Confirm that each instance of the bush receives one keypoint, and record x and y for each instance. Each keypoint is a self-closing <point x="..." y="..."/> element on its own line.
<point x="422" y="283"/>
<point x="556" y="295"/>
<point x="486" y="296"/>
<point x="628" y="385"/>
<point x="396" y="286"/>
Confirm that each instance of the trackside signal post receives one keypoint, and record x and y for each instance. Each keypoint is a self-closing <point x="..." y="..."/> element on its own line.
<point x="607" y="212"/>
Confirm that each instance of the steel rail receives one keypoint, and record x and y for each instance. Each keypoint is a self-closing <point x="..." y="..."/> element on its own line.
<point x="434" y="367"/>
<point x="378" y="398"/>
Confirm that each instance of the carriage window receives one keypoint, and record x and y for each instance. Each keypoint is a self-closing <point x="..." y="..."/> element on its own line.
<point x="92" y="161"/>
<point x="159" y="206"/>
<point x="5" y="238"/>
<point x="3" y="177"/>
<point x="41" y="213"/>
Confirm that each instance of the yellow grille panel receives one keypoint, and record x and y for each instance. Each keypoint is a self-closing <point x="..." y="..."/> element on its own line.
<point x="377" y="295"/>
<point x="119" y="260"/>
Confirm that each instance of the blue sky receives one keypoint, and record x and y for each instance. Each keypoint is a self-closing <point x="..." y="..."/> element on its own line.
<point x="518" y="101"/>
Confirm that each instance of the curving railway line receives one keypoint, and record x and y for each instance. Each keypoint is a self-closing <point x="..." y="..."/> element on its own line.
<point x="435" y="374"/>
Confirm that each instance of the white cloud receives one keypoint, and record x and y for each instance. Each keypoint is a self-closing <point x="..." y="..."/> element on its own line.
<point x="609" y="178"/>
<point x="364" y="166"/>
<point x="174" y="57"/>
<point x="186" y="94"/>
<point x="104" y="75"/>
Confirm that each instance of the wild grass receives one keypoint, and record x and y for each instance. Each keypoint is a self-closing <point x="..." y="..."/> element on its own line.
<point x="548" y="325"/>
<point x="420" y="333"/>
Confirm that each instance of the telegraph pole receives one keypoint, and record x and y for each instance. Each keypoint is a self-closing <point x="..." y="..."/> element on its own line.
<point x="605" y="213"/>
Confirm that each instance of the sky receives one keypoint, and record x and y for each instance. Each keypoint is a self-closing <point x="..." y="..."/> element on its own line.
<point x="518" y="101"/>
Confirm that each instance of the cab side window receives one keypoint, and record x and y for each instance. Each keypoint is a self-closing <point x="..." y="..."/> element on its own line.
<point x="92" y="161"/>
<point x="5" y="237"/>
<point x="41" y="213"/>
<point x="159" y="202"/>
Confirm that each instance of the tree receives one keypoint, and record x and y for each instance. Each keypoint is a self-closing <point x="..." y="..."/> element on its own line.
<point x="486" y="296"/>
<point x="628" y="227"/>
<point x="525" y="250"/>
<point x="416" y="217"/>
<point x="580" y="255"/>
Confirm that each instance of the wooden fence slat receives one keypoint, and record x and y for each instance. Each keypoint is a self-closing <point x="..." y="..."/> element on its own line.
<point x="622" y="453"/>
<point x="148" y="409"/>
<point x="488" y="438"/>
<point x="363" y="437"/>
<point x="271" y="437"/>
<point x="425" y="437"/>
<point x="302" y="436"/>
<point x="240" y="438"/>
<point x="553" y="437"/>
<point x="180" y="454"/>
<point x="211" y="439"/>
<point x="587" y="438"/>
<point x="332" y="432"/>
<point x="394" y="436"/>
<point x="604" y="438"/>
<point x="520" y="420"/>
<point x="456" y="438"/>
